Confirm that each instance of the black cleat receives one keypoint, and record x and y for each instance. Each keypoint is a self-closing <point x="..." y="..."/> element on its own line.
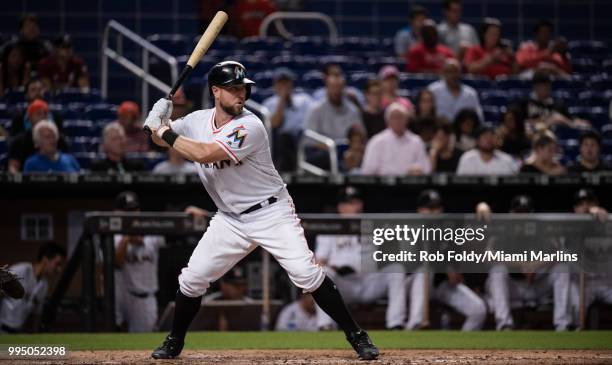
<point x="363" y="345"/>
<point x="170" y="349"/>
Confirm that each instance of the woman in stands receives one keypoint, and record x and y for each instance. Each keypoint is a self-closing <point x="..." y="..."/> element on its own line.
<point x="511" y="136"/>
<point x="494" y="56"/>
<point x="14" y="70"/>
<point x="425" y="104"/>
<point x="465" y="124"/>
<point x="544" y="157"/>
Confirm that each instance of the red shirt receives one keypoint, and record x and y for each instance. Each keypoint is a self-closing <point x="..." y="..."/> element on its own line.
<point x="249" y="14"/>
<point x="67" y="77"/>
<point x="421" y="59"/>
<point x="501" y="67"/>
<point x="530" y="56"/>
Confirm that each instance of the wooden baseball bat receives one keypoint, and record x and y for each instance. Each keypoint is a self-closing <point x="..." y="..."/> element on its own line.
<point x="200" y="49"/>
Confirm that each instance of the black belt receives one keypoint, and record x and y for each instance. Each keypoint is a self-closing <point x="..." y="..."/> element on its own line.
<point x="270" y="200"/>
<point x="141" y="295"/>
<point x="8" y="329"/>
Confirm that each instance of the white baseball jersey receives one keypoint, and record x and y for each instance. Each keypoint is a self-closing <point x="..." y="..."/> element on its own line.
<point x="248" y="176"/>
<point x="294" y="318"/>
<point x="339" y="250"/>
<point x="15" y="312"/>
<point x="139" y="273"/>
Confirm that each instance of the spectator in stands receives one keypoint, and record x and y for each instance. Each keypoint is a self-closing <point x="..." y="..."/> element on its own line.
<point x="288" y="108"/>
<point x="300" y="315"/>
<point x="453" y="33"/>
<point x="493" y="56"/>
<point x="466" y="124"/>
<point x="136" y="265"/>
<point x="353" y="156"/>
<point x="33" y="90"/>
<point x="425" y="104"/>
<point x="34" y="48"/>
<point x="389" y="76"/>
<point x="542" y="53"/>
<point x="425" y="128"/>
<point x="485" y="159"/>
<point x="443" y="155"/>
<point x="34" y="277"/>
<point x="232" y="286"/>
<point x="247" y="16"/>
<point x="48" y="158"/>
<point x="428" y="56"/>
<point x="113" y="146"/>
<point x="175" y="164"/>
<point x="410" y="35"/>
<point x="543" y="160"/>
<point x="333" y="116"/>
<point x="541" y="111"/>
<point x="14" y="70"/>
<point x="451" y="96"/>
<point x="22" y="146"/>
<point x="181" y="106"/>
<point x="128" y="115"/>
<point x="372" y="114"/>
<point x="63" y="69"/>
<point x="511" y="137"/>
<point x="589" y="159"/>
<point x="396" y="150"/>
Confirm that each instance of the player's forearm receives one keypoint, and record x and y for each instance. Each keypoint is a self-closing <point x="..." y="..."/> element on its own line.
<point x="195" y="151"/>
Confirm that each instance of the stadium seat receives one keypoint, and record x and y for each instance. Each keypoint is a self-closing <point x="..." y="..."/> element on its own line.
<point x="3" y="145"/>
<point x="492" y="113"/>
<point x="606" y="131"/>
<point x="416" y="81"/>
<point x="595" y="98"/>
<point x="564" y="132"/>
<point x="590" y="49"/>
<point x="606" y="146"/>
<point x="86" y="158"/>
<point x="174" y="44"/>
<point x="150" y="159"/>
<point x="359" y="79"/>
<point x="571" y="148"/>
<point x="6" y="123"/>
<point x="13" y="97"/>
<point x="76" y="95"/>
<point x="512" y="82"/>
<point x="606" y="65"/>
<point x="4" y="110"/>
<point x="251" y="45"/>
<point x="585" y="66"/>
<point x="596" y="115"/>
<point x="376" y="63"/>
<point x="477" y="82"/>
<point x="497" y="97"/>
<point x="264" y="79"/>
<point x="100" y="111"/>
<point x="311" y="46"/>
<point x="601" y="82"/>
<point x="575" y="83"/>
<point x="313" y="79"/>
<point x="79" y="127"/>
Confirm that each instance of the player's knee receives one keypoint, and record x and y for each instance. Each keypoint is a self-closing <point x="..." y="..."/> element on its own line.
<point x="478" y="311"/>
<point x="308" y="278"/>
<point x="192" y="286"/>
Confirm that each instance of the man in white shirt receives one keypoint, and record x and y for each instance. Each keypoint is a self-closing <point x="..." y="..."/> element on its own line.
<point x="300" y="315"/>
<point x="288" y="110"/>
<point x="486" y="159"/>
<point x="396" y="150"/>
<point x="410" y="35"/>
<point x="454" y="34"/>
<point x="175" y="164"/>
<point x="451" y="96"/>
<point x="34" y="277"/>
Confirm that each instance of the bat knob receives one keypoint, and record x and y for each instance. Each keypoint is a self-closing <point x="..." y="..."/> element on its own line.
<point x="147" y="131"/>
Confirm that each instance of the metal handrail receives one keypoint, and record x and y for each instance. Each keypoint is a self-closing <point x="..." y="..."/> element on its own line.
<point x="142" y="71"/>
<point x="330" y="145"/>
<point x="302" y="15"/>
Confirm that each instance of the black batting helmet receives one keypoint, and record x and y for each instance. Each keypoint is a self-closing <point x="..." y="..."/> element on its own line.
<point x="521" y="204"/>
<point x="228" y="73"/>
<point x="127" y="200"/>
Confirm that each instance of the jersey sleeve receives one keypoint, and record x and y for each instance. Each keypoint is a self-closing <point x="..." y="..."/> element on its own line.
<point x="182" y="125"/>
<point x="242" y="140"/>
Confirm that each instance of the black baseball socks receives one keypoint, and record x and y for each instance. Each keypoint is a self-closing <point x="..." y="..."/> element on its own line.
<point x="185" y="311"/>
<point x="330" y="300"/>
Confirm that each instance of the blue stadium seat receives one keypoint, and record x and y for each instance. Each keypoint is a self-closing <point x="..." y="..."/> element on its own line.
<point x="3" y="145"/>
<point x="564" y="96"/>
<point x="101" y="111"/>
<point x="571" y="148"/>
<point x="14" y="97"/>
<point x="596" y="115"/>
<point x="264" y="79"/>
<point x="606" y="131"/>
<point x="416" y="81"/>
<point x="313" y="79"/>
<point x="566" y="133"/>
<point x="601" y="82"/>
<point x="495" y="97"/>
<point x="376" y="63"/>
<point x="607" y="66"/>
<point x="585" y="66"/>
<point x="6" y="123"/>
<point x="79" y="127"/>
<point x="223" y="42"/>
<point x="69" y="113"/>
<point x="311" y="46"/>
<point x="258" y="44"/>
<point x="590" y="49"/>
<point x="359" y="79"/>
<point x="150" y="159"/>
<point x="358" y="45"/>
<point x="348" y="63"/>
<point x="261" y="94"/>
<point x="174" y="44"/>
<point x="4" y="111"/>
<point x="76" y="96"/>
<point x="86" y="158"/>
<point x="512" y="82"/>
<point x="575" y="83"/>
<point x="492" y="113"/>
<point x="595" y="98"/>
<point x="606" y="146"/>
<point x="477" y="82"/>
<point x="298" y="64"/>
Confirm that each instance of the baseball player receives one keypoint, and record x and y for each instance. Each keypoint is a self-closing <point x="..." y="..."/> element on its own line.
<point x="300" y="315"/>
<point x="136" y="260"/>
<point x="34" y="279"/>
<point x="506" y="291"/>
<point x="10" y="285"/>
<point x="452" y="291"/>
<point x="230" y="149"/>
<point x="341" y="257"/>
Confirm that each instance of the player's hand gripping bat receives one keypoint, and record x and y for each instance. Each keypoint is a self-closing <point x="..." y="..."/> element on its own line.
<point x="200" y="49"/>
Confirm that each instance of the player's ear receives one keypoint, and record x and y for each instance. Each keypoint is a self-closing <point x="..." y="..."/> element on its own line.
<point x="216" y="91"/>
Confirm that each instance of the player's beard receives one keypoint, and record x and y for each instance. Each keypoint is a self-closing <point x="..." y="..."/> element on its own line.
<point x="233" y="110"/>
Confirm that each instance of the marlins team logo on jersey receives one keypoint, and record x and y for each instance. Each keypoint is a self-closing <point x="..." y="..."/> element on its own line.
<point x="237" y="137"/>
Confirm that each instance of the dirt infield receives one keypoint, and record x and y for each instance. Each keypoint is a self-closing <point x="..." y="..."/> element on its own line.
<point x="391" y="357"/>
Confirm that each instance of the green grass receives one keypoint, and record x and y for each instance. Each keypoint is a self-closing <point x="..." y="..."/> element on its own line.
<point x="598" y="340"/>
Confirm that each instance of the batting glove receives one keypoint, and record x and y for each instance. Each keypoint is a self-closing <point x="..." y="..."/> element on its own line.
<point x="159" y="114"/>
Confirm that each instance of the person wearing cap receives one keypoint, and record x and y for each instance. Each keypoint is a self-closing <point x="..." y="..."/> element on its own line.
<point x="451" y="95"/>
<point x="450" y="289"/>
<point x="34" y="90"/>
<point x="63" y="69"/>
<point x="410" y="35"/>
<point x="128" y="115"/>
<point x="493" y="56"/>
<point x="340" y="255"/>
<point x="113" y="146"/>
<point x="428" y="56"/>
<point x="232" y="286"/>
<point x="34" y="47"/>
<point x="22" y="145"/>
<point x="288" y="109"/>
<point x="389" y="76"/>
<point x="48" y="158"/>
<point x="396" y="150"/>
<point x="174" y="164"/>
<point x="301" y="315"/>
<point x="590" y="158"/>
<point x="544" y="158"/>
<point x="486" y="159"/>
<point x="454" y="34"/>
<point x="136" y="282"/>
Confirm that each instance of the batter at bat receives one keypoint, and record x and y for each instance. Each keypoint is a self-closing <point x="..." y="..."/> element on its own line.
<point x="229" y="147"/>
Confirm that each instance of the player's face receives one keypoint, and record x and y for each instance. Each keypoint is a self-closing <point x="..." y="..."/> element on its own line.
<point x="232" y="99"/>
<point x="589" y="150"/>
<point x="584" y="206"/>
<point x="353" y="206"/>
<point x="52" y="266"/>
